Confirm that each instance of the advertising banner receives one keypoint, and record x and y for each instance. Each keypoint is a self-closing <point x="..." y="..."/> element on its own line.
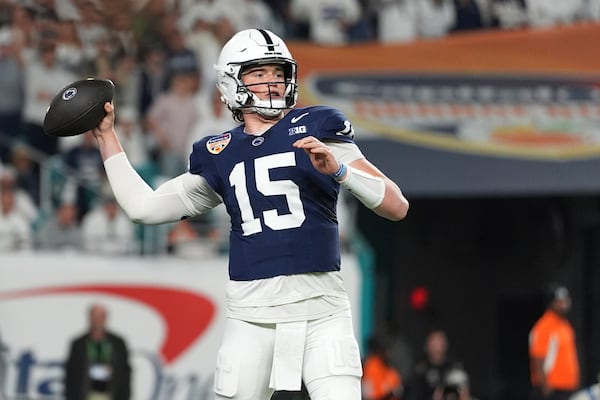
<point x="477" y="113"/>
<point x="170" y="312"/>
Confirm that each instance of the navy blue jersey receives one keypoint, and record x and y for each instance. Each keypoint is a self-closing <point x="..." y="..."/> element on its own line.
<point x="283" y="211"/>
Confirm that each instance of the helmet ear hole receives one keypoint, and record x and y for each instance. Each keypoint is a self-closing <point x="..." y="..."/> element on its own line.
<point x="241" y="98"/>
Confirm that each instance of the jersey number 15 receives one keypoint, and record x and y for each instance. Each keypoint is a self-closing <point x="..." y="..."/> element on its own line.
<point x="268" y="187"/>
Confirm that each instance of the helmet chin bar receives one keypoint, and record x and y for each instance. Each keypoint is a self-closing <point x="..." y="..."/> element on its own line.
<point x="268" y="113"/>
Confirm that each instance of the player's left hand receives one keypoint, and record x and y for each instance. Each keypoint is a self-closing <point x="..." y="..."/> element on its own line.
<point x="320" y="155"/>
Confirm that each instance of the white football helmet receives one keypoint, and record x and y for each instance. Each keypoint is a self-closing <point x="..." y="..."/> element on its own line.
<point x="246" y="49"/>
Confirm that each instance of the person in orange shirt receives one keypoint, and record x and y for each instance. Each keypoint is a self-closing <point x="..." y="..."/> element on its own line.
<point x="380" y="380"/>
<point x="553" y="350"/>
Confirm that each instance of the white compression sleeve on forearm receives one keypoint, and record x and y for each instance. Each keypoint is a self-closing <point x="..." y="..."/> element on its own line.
<point x="141" y="203"/>
<point x="369" y="189"/>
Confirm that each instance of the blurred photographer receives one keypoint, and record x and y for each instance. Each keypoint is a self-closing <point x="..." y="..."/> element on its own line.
<point x="437" y="360"/>
<point x="456" y="386"/>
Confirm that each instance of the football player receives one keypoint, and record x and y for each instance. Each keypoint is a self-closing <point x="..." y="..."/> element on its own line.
<point x="278" y="172"/>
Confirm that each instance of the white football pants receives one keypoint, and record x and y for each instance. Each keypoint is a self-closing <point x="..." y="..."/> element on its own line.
<point x="331" y="367"/>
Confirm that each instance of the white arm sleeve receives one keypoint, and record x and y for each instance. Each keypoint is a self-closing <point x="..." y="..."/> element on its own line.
<point x="183" y="196"/>
<point x="370" y="190"/>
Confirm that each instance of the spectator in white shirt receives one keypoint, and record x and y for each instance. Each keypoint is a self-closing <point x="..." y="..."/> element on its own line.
<point x="396" y="20"/>
<point x="170" y="120"/>
<point x="435" y="18"/>
<point x="208" y="34"/>
<point x="546" y="13"/>
<point x="133" y="139"/>
<point x="23" y="203"/>
<point x="61" y="231"/>
<point x="90" y="28"/>
<point x="107" y="230"/>
<point x="15" y="231"/>
<point x="509" y="14"/>
<point x="204" y="9"/>
<point x="253" y="13"/>
<point x="590" y="10"/>
<point x="328" y="20"/>
<point x="215" y="118"/>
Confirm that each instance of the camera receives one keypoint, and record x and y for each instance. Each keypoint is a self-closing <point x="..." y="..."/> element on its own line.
<point x="451" y="392"/>
<point x="456" y="385"/>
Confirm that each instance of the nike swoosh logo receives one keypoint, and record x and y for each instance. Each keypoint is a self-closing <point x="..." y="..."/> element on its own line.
<point x="298" y="118"/>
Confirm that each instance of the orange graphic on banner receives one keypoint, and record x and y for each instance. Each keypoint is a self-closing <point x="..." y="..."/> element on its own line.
<point x="533" y="93"/>
<point x="563" y="50"/>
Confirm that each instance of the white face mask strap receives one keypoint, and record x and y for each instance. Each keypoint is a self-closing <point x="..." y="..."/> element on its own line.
<point x="369" y="189"/>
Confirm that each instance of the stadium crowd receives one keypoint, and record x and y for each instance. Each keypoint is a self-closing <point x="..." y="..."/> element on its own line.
<point x="160" y="55"/>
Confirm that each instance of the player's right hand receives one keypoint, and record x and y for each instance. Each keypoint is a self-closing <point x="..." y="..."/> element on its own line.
<point x="107" y="124"/>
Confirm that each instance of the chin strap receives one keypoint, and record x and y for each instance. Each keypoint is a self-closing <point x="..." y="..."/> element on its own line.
<point x="267" y="108"/>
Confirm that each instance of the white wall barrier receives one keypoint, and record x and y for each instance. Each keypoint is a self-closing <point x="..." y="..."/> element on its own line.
<point x="169" y="310"/>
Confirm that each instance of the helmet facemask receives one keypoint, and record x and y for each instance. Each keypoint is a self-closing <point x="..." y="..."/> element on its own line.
<point x="275" y="103"/>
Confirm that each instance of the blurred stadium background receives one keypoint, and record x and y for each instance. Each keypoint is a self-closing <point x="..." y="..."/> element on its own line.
<point x="491" y="130"/>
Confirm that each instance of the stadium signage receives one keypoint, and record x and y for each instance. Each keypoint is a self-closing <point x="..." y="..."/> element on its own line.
<point x="170" y="311"/>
